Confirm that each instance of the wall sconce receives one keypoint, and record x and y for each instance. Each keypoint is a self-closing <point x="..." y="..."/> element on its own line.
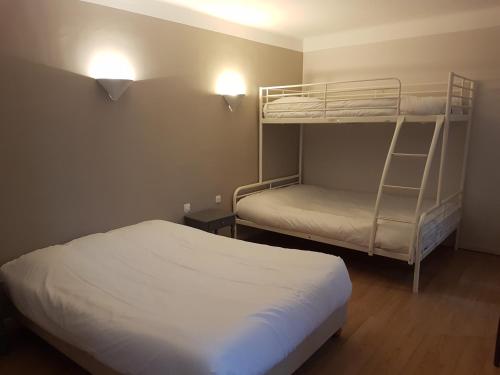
<point x="114" y="87"/>
<point x="232" y="88"/>
<point x="113" y="72"/>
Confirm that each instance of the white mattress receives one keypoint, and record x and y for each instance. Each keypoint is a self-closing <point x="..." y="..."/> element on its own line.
<point x="310" y="107"/>
<point x="162" y="298"/>
<point x="341" y="215"/>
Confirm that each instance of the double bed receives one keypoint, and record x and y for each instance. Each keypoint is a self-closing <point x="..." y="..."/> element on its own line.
<point x="158" y="297"/>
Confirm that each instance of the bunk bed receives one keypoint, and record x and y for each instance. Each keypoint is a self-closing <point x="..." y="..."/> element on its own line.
<point x="396" y="221"/>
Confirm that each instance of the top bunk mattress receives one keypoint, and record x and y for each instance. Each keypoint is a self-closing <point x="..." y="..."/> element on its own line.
<point x="310" y="107"/>
<point x="163" y="298"/>
<point x="344" y="216"/>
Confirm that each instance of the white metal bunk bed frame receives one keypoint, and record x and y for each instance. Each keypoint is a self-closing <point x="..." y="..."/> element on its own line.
<point x="458" y="88"/>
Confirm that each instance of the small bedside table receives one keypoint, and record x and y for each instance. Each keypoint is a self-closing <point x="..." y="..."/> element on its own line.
<point x="211" y="220"/>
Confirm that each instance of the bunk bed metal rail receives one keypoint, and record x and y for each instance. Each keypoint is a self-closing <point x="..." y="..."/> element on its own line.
<point x="369" y="101"/>
<point x="250" y="189"/>
<point x="319" y="100"/>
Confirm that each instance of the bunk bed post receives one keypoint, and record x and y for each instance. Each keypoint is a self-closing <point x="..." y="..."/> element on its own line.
<point x="398" y="109"/>
<point x="416" y="272"/>
<point x="260" y="133"/>
<point x="444" y="141"/>
<point x="465" y="157"/>
<point x="301" y="150"/>
<point x="235" y="230"/>
<point x="457" y="235"/>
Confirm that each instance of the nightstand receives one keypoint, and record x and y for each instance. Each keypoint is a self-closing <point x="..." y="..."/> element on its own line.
<point x="211" y="220"/>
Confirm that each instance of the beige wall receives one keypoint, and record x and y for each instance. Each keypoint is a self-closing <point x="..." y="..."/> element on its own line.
<point x="353" y="156"/>
<point x="75" y="163"/>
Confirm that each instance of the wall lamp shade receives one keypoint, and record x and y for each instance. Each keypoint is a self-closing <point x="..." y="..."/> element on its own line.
<point x="233" y="101"/>
<point x="232" y="87"/>
<point x="113" y="71"/>
<point x="114" y="87"/>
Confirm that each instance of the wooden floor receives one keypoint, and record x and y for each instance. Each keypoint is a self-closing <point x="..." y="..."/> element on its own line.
<point x="449" y="328"/>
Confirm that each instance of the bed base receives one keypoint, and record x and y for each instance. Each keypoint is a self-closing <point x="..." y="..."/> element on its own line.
<point x="331" y="327"/>
<point x="79" y="356"/>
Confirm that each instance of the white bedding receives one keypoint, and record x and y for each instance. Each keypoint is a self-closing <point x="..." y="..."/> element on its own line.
<point x="339" y="215"/>
<point x="310" y="107"/>
<point x="162" y="298"/>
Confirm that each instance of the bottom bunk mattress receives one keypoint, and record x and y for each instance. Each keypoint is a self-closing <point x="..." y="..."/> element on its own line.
<point x="162" y="298"/>
<point x="345" y="216"/>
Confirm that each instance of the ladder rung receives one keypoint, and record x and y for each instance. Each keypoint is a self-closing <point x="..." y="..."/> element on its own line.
<point x="395" y="219"/>
<point x="409" y="155"/>
<point x="401" y="187"/>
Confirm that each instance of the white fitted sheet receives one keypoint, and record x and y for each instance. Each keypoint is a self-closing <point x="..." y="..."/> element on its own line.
<point x="162" y="298"/>
<point x="342" y="215"/>
<point x="310" y="107"/>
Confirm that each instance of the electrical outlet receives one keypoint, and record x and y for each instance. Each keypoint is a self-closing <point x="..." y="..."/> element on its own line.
<point x="187" y="208"/>
<point x="218" y="199"/>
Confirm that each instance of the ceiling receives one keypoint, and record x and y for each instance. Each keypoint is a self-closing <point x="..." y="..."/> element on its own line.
<point x="307" y="18"/>
<point x="309" y="25"/>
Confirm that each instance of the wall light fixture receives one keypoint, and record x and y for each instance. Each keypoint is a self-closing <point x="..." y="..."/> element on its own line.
<point x="113" y="71"/>
<point x="232" y="87"/>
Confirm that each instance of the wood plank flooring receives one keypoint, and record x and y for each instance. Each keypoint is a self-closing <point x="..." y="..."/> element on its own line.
<point x="449" y="328"/>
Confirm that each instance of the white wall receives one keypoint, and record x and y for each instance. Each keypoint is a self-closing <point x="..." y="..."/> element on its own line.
<point x="351" y="157"/>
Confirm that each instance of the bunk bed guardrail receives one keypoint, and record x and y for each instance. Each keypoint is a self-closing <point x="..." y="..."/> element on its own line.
<point x="376" y="97"/>
<point x="380" y="94"/>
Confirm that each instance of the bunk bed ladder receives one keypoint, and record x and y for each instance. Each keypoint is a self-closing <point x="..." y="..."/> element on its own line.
<point x="414" y="255"/>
